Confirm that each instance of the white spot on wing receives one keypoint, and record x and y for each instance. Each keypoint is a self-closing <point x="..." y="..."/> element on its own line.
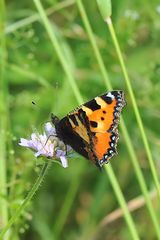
<point x="112" y="144"/>
<point x="110" y="95"/>
<point x="113" y="138"/>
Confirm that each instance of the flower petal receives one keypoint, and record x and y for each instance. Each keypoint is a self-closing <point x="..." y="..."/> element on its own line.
<point x="50" y="130"/>
<point x="64" y="161"/>
<point x="60" y="153"/>
<point x="37" y="154"/>
<point x="23" y="142"/>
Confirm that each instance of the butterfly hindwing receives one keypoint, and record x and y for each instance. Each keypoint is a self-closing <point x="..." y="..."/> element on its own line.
<point x="91" y="129"/>
<point x="72" y="129"/>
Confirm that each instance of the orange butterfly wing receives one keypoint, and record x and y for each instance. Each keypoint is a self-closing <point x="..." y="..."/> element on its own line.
<point x="91" y="129"/>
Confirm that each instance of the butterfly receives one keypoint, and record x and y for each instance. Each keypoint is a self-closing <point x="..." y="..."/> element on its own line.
<point x="92" y="128"/>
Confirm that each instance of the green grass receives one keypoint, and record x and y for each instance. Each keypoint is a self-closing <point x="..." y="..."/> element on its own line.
<point x="50" y="48"/>
<point x="3" y="121"/>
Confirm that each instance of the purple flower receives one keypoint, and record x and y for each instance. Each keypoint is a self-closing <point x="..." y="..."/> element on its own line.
<point x="47" y="145"/>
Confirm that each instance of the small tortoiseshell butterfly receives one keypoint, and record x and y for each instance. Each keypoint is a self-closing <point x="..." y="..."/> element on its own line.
<point x="91" y="129"/>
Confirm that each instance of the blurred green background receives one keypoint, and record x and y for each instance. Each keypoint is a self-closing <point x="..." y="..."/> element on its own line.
<point x="72" y="202"/>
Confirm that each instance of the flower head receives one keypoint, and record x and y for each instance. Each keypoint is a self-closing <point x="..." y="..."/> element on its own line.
<point x="47" y="145"/>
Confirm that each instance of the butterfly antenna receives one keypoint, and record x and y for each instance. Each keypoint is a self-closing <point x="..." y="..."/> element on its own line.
<point x="52" y="135"/>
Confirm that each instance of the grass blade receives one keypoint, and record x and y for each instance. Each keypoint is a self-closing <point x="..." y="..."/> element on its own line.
<point x="3" y="121"/>
<point x="135" y="107"/>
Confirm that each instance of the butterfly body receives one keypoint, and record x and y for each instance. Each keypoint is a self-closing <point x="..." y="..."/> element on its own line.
<point x="91" y="130"/>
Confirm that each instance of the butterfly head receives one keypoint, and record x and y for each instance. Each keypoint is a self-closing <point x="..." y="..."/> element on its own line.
<point x="54" y="119"/>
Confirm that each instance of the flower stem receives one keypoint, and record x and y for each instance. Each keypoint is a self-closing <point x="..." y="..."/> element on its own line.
<point x="26" y="200"/>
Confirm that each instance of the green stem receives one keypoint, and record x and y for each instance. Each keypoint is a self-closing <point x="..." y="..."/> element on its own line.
<point x="141" y="179"/>
<point x="3" y="121"/>
<point x="122" y="202"/>
<point x="58" y="50"/>
<point x="26" y="200"/>
<point x="94" y="45"/>
<point x="136" y="110"/>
